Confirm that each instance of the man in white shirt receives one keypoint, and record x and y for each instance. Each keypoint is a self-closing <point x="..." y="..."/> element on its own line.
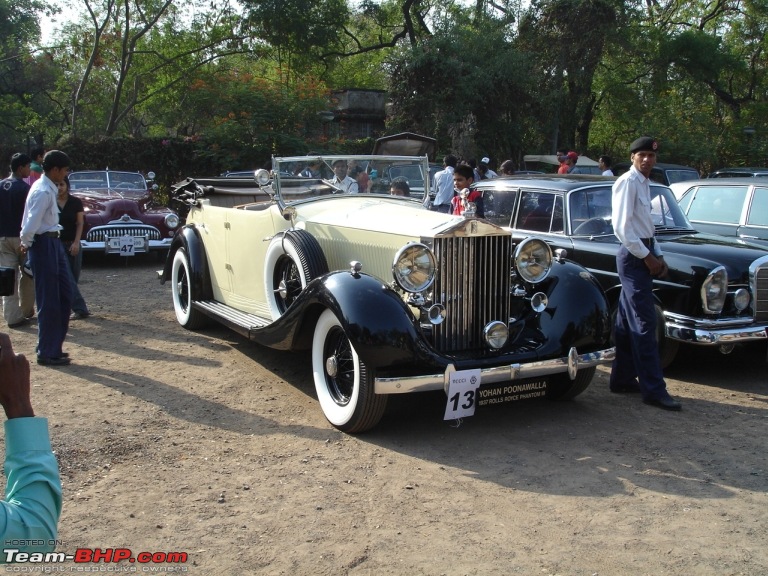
<point x="40" y="239"/>
<point x="637" y="365"/>
<point x="340" y="179"/>
<point x="443" y="185"/>
<point x="486" y="164"/>
<point x="605" y="163"/>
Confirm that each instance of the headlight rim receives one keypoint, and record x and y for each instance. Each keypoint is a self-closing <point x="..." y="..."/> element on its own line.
<point x="521" y="270"/>
<point x="399" y="280"/>
<point x="169" y="218"/>
<point x="715" y="304"/>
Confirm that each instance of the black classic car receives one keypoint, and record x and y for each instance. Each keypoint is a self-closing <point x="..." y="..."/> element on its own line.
<point x="727" y="206"/>
<point x="716" y="292"/>
<point x="121" y="214"/>
<point x="388" y="297"/>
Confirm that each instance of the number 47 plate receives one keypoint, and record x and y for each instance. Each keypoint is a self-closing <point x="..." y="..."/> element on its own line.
<point x="462" y="394"/>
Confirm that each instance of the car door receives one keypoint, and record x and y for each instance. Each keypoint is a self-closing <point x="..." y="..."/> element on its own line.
<point x="717" y="209"/>
<point x="588" y="222"/>
<point x="755" y="228"/>
<point x="540" y="213"/>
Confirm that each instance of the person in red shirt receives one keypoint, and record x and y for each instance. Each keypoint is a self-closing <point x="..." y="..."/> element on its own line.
<point x="463" y="178"/>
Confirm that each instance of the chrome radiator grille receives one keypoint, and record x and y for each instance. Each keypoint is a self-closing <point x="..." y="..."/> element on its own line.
<point x="100" y="233"/>
<point x="473" y="283"/>
<point x="760" y="292"/>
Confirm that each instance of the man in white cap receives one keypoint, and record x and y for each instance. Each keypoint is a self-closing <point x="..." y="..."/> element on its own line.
<point x="485" y="168"/>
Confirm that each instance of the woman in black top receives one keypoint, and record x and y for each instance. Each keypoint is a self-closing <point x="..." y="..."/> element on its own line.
<point x="72" y="217"/>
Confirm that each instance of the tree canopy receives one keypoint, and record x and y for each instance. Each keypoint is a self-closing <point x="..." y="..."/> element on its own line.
<point x="498" y="78"/>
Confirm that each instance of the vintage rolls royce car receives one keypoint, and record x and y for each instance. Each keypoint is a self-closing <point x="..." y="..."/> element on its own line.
<point x="389" y="297"/>
<point x="121" y="215"/>
<point x="716" y="293"/>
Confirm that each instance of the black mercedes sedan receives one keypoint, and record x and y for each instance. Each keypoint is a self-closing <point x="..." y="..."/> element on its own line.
<point x="716" y="292"/>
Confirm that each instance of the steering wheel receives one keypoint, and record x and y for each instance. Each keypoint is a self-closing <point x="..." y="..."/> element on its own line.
<point x="592" y="226"/>
<point x="125" y="186"/>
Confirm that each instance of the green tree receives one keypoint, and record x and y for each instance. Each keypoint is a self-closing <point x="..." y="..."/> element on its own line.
<point x="24" y="75"/>
<point x="254" y="116"/>
<point x="473" y="92"/>
<point x="566" y="40"/>
<point x="125" y="53"/>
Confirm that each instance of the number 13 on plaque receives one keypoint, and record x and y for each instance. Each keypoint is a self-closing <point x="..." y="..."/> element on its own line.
<point x="462" y="394"/>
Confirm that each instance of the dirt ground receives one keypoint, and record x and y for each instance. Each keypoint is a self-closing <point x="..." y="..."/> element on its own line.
<point x="204" y="443"/>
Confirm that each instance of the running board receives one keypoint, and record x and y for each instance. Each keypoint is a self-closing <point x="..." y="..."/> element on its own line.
<point x="241" y="322"/>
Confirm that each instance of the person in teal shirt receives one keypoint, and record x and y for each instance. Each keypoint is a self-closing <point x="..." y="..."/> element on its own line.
<point x="30" y="512"/>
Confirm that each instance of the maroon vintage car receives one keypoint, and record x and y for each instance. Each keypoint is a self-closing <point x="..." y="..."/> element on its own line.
<point x="121" y="215"/>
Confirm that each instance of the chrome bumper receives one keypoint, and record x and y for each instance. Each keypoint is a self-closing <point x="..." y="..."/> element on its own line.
<point x="569" y="364"/>
<point x="86" y="246"/>
<point x="713" y="333"/>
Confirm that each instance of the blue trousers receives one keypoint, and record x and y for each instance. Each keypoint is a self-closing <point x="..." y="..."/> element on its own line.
<point x="637" y="352"/>
<point x="75" y="266"/>
<point x="53" y="293"/>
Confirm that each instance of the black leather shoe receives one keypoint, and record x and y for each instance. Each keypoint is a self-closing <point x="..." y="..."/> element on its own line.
<point x="625" y="389"/>
<point x="63" y="354"/>
<point x="20" y="323"/>
<point x="664" y="403"/>
<point x="60" y="361"/>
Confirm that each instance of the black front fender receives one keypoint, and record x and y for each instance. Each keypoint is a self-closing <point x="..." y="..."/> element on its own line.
<point x="379" y="324"/>
<point x="577" y="314"/>
<point x="188" y="238"/>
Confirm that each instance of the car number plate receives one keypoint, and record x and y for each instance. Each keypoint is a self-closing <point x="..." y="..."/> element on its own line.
<point x="462" y="394"/>
<point x="126" y="245"/>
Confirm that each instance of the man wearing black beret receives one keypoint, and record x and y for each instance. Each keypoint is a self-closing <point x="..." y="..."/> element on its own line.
<point x="637" y="366"/>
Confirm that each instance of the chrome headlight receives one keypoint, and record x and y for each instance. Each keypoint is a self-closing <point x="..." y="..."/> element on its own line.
<point x="172" y="221"/>
<point x="414" y="267"/>
<point x="496" y="334"/>
<point x="261" y="176"/>
<point x="533" y="260"/>
<point x="714" y="291"/>
<point x="741" y="299"/>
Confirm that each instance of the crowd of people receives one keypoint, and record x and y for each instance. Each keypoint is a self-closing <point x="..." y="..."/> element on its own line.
<point x="40" y="229"/>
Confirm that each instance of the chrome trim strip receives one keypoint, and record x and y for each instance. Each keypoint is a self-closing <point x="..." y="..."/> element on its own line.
<point x="565" y="364"/>
<point x="702" y="335"/>
<point x="679" y="320"/>
<point x="101" y="246"/>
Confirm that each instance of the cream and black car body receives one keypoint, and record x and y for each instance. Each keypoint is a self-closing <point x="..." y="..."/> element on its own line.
<point x="388" y="297"/>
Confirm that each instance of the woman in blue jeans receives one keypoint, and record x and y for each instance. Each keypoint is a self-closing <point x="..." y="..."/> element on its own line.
<point x="72" y="217"/>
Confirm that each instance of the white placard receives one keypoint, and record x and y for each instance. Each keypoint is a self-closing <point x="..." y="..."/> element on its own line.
<point x="462" y="394"/>
<point x="127" y="246"/>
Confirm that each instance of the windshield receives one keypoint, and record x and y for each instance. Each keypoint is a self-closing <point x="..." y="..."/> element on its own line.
<point x="105" y="179"/>
<point x="681" y="175"/>
<point x="590" y="211"/>
<point x="298" y="179"/>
